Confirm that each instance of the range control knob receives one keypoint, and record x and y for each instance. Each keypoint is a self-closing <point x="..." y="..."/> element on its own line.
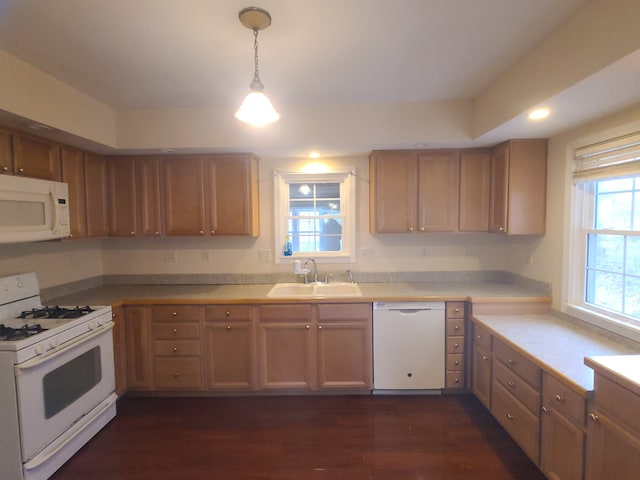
<point x="53" y="343"/>
<point x="40" y="349"/>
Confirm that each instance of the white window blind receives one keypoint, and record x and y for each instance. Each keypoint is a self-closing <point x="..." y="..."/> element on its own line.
<point x="617" y="157"/>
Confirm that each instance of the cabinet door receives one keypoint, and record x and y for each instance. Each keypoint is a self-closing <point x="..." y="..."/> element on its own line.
<point x="393" y="200"/>
<point x="36" y="158"/>
<point x="438" y="187"/>
<point x="6" y="157"/>
<point x="481" y="378"/>
<point x="138" y="338"/>
<point x="236" y="196"/>
<point x="73" y="174"/>
<point x="184" y="180"/>
<point x="95" y="174"/>
<point x="612" y="452"/>
<point x="149" y="206"/>
<point x="561" y="447"/>
<point x="120" y="350"/>
<point x="122" y="196"/>
<point x="475" y="169"/>
<point x="499" y="188"/>
<point x="344" y="343"/>
<point x="230" y="353"/>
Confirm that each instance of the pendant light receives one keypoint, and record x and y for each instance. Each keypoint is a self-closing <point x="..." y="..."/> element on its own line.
<point x="256" y="108"/>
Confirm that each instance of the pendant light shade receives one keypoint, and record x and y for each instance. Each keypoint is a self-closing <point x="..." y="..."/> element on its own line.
<point x="256" y="109"/>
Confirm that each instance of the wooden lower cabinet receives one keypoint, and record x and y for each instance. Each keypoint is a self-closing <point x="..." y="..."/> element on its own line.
<point x="455" y="364"/>
<point x="310" y="347"/>
<point x="481" y="365"/>
<point x="138" y="341"/>
<point x="119" y="350"/>
<point x="230" y="347"/>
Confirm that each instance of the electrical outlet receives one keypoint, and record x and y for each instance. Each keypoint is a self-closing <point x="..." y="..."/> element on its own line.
<point x="170" y="257"/>
<point x="264" y="256"/>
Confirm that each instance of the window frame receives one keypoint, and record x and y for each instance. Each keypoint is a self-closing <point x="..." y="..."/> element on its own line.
<point x="347" y="181"/>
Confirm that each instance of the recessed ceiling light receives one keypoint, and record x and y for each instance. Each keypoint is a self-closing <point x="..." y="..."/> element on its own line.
<point x="314" y="155"/>
<point x="39" y="126"/>
<point x="539" y="114"/>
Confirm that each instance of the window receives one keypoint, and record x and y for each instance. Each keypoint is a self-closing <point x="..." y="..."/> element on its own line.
<point x="605" y="276"/>
<point x="316" y="213"/>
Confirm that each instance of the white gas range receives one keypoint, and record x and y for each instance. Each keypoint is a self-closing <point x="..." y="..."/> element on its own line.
<point x="57" y="379"/>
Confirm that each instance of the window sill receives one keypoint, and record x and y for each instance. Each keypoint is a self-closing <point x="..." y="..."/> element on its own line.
<point x="602" y="320"/>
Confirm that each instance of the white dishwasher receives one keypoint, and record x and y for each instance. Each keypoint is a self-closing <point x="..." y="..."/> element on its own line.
<point x="408" y="346"/>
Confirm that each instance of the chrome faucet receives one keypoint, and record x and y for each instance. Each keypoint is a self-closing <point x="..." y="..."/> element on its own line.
<point x="314" y="278"/>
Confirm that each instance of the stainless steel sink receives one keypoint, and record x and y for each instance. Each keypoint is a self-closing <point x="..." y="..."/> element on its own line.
<point x="317" y="290"/>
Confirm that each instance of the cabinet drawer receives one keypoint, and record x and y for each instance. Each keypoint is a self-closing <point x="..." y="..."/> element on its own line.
<point x="173" y="313"/>
<point x="565" y="401"/>
<point x="183" y="373"/>
<point x="481" y="337"/>
<point x="227" y="313"/>
<point x="454" y="379"/>
<point x="455" y="309"/>
<point x="343" y="311"/>
<point x="455" y="344"/>
<point x="455" y="361"/>
<point x="176" y="348"/>
<point x="517" y="420"/>
<point x="285" y="313"/>
<point x="518" y="363"/>
<point x="619" y="403"/>
<point x="455" y="326"/>
<point x="166" y="331"/>
<point x="520" y="389"/>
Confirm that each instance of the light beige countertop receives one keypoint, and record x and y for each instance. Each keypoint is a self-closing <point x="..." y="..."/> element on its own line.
<point x="555" y="345"/>
<point x="257" y="293"/>
<point x="623" y="369"/>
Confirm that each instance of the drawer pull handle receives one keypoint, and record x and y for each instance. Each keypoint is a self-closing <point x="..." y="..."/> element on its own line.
<point x="559" y="398"/>
<point x="227" y="314"/>
<point x="456" y="363"/>
<point x="510" y="417"/>
<point x="175" y="349"/>
<point x="457" y="380"/>
<point x="456" y="310"/>
<point x="228" y="327"/>
<point x="484" y="357"/>
<point x="594" y="417"/>
<point x="5" y="168"/>
<point x="410" y="228"/>
<point x="545" y="409"/>
<point x="307" y="327"/>
<point x="176" y="375"/>
<point x="478" y="336"/>
<point x="457" y="327"/>
<point x="21" y="170"/>
<point x="319" y="327"/>
<point x="511" y="362"/>
<point x="455" y="345"/>
<point x="511" y="385"/>
<point x="174" y="314"/>
<point x="175" y="330"/>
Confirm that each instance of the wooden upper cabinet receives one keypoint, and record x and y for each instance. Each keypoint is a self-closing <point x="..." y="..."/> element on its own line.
<point x="149" y="194"/>
<point x="122" y="196"/>
<point x="393" y="184"/>
<point x="518" y="187"/>
<point x="438" y="186"/>
<point x="95" y="174"/>
<point x="414" y="192"/>
<point x="475" y="169"/>
<point x="184" y="192"/>
<point x="36" y="158"/>
<point x="235" y="196"/>
<point x="6" y="156"/>
<point x="73" y="174"/>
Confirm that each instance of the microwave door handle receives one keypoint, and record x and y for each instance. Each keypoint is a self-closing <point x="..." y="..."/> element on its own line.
<point x="23" y="367"/>
<point x="54" y="201"/>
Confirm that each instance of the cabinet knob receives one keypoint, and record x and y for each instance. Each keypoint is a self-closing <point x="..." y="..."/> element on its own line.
<point x="319" y="327"/>
<point x="511" y="362"/>
<point x="157" y="234"/>
<point x="501" y="229"/>
<point x="213" y="232"/>
<point x="5" y="168"/>
<point x="175" y="349"/>
<point x="559" y="398"/>
<point x="545" y="409"/>
<point x="457" y="327"/>
<point x="511" y="385"/>
<point x="176" y="375"/>
<point x="421" y="229"/>
<point x="455" y="345"/>
<point x="113" y="315"/>
<point x="174" y="314"/>
<point x="456" y="363"/>
<point x="132" y="234"/>
<point x="484" y="357"/>
<point x="202" y="232"/>
<point x="228" y="327"/>
<point x="478" y="336"/>
<point x="456" y="310"/>
<point x="226" y="314"/>
<point x="457" y="380"/>
<point x="594" y="417"/>
<point x="175" y="330"/>
<point x="21" y="170"/>
<point x="410" y="228"/>
<point x="307" y="327"/>
<point x="510" y="417"/>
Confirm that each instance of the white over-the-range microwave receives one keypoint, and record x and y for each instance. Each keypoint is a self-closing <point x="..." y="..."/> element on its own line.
<point x="32" y="209"/>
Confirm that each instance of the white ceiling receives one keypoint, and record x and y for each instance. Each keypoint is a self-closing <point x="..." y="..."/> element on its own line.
<point x="135" y="54"/>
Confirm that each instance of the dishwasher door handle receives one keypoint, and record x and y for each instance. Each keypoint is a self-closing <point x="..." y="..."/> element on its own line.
<point x="409" y="311"/>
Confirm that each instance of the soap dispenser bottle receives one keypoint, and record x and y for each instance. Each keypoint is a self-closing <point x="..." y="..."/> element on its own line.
<point x="287" y="249"/>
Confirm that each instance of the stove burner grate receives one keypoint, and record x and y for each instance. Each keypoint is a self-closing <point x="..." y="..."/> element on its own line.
<point x="56" y="312"/>
<point x="8" y="333"/>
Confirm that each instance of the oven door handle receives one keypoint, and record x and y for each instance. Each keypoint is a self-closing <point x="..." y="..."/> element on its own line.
<point x="85" y="337"/>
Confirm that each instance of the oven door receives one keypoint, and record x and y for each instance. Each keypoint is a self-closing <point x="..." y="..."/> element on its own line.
<point x="56" y="390"/>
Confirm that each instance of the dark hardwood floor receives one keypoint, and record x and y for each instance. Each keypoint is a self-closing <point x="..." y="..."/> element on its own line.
<point x="301" y="437"/>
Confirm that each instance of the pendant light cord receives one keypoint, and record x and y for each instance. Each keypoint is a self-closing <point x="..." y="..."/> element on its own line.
<point x="257" y="83"/>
